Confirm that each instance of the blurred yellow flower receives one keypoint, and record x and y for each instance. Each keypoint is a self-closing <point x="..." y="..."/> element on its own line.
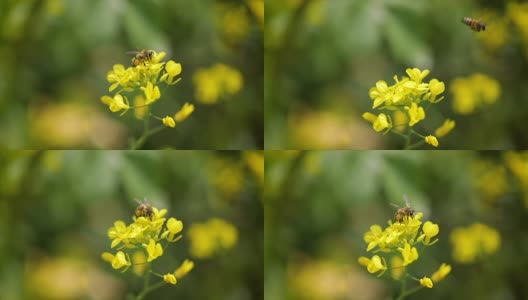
<point x="140" y="109"/>
<point x="184" y="269"/>
<point x="517" y="163"/>
<point x="473" y="242"/>
<point x="490" y="179"/>
<point x="257" y="8"/>
<point x="427" y="282"/>
<point x="474" y="91"/>
<point x="212" y="236"/>
<point x="186" y="110"/>
<point x="215" y="82"/>
<point x="397" y="267"/>
<point x="139" y="260"/>
<point x="497" y="38"/>
<point x="445" y="129"/>
<point x="233" y="21"/>
<point x="441" y="273"/>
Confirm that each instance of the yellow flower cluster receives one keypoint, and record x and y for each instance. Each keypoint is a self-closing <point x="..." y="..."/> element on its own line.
<point x="144" y="78"/>
<point x="215" y="82"/>
<point x="212" y="236"/>
<point x="397" y="244"/>
<point x="490" y="179"/>
<point x="473" y="242"/>
<point x="404" y="100"/>
<point x="142" y="239"/>
<point x="517" y="163"/>
<point x="518" y="14"/>
<point x="474" y="91"/>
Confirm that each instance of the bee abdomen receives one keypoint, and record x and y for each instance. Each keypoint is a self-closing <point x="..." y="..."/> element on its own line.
<point x="476" y="25"/>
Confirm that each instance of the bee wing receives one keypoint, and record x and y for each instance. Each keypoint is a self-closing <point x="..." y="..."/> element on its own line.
<point x="406" y="200"/>
<point x="395" y="205"/>
<point x="132" y="52"/>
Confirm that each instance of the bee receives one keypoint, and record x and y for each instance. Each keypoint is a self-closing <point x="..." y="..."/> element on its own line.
<point x="144" y="209"/>
<point x="476" y="25"/>
<point x="403" y="212"/>
<point x="141" y="56"/>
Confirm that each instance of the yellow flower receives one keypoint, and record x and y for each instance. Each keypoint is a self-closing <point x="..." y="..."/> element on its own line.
<point x="108" y="257"/>
<point x="139" y="107"/>
<point x="426" y="282"/>
<point x="397" y="268"/>
<point x="139" y="260"/>
<point x="377" y="264"/>
<point x="382" y="122"/>
<point x="416" y="114"/>
<point x="174" y="227"/>
<point x="409" y="254"/>
<point x="441" y="273"/>
<point x="120" y="260"/>
<point x="379" y="93"/>
<point x="169" y="278"/>
<point x="172" y="69"/>
<point x="430" y="230"/>
<point x="445" y="128"/>
<point x="370" y="117"/>
<point x="474" y="91"/>
<point x="152" y="93"/>
<point x="215" y="82"/>
<point x="474" y="241"/>
<point x="154" y="250"/>
<point x="436" y="87"/>
<point x="116" y="103"/>
<point x="215" y="234"/>
<point x="184" y="112"/>
<point x="169" y="122"/>
<point x="184" y="269"/>
<point x="416" y="75"/>
<point x="431" y="140"/>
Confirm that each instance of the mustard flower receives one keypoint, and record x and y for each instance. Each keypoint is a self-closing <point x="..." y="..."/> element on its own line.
<point x="441" y="273"/>
<point x="184" y="269"/>
<point x="446" y="128"/>
<point x="416" y="114"/>
<point x="403" y="101"/>
<point x="143" y="79"/>
<point x="409" y="254"/>
<point x="397" y="243"/>
<point x="212" y="236"/>
<point x="427" y="282"/>
<point x="172" y="69"/>
<point x="170" y="278"/>
<point x="120" y="260"/>
<point x="152" y="93"/>
<point x="184" y="112"/>
<point x="431" y="140"/>
<point x="169" y="122"/>
<point x="474" y="242"/>
<point x="142" y="239"/>
<point x="215" y="82"/>
<point x="474" y="91"/>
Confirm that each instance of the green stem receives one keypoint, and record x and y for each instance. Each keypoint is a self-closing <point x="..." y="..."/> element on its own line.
<point x="408" y="138"/>
<point x="404" y="294"/>
<point x="145" y="136"/>
<point x="149" y="289"/>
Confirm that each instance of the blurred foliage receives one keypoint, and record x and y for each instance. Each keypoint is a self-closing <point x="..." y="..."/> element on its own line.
<point x="57" y="206"/>
<point x="56" y="54"/>
<point x="318" y="206"/>
<point x="322" y="57"/>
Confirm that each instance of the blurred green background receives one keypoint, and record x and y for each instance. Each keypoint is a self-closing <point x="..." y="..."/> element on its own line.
<point x="319" y="204"/>
<point x="55" y="55"/>
<point x="56" y="208"/>
<point x="322" y="57"/>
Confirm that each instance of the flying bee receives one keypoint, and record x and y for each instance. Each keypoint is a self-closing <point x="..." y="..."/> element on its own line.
<point x="403" y="212"/>
<point x="475" y="25"/>
<point x="144" y="209"/>
<point x="141" y="56"/>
